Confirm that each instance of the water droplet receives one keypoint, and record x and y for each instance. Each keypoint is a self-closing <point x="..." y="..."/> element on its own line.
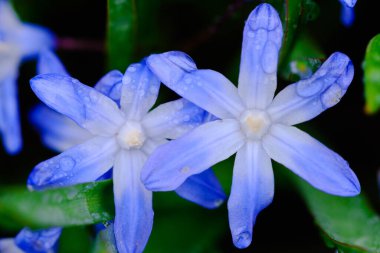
<point x="185" y="170"/>
<point x="131" y="69"/>
<point x="218" y="202"/>
<point x="67" y="163"/>
<point x="126" y="79"/>
<point x="307" y="87"/>
<point x="332" y="96"/>
<point x="188" y="80"/>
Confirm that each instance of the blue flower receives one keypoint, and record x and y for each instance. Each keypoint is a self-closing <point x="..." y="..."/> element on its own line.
<point x="18" y="41"/>
<point x="121" y="138"/>
<point x="252" y="124"/>
<point x="347" y="13"/>
<point x="38" y="241"/>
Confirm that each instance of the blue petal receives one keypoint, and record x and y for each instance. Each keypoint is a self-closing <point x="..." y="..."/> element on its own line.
<point x="110" y="85"/>
<point x="49" y="63"/>
<point x="308" y="158"/>
<point x="252" y="190"/>
<point x="32" y="39"/>
<point x="173" y="119"/>
<point x="133" y="203"/>
<point x="8" y="17"/>
<point x="139" y="91"/>
<point x="259" y="57"/>
<point x="38" y="241"/>
<point x="57" y="132"/>
<point x="172" y="163"/>
<point x="9" y="115"/>
<point x="208" y="89"/>
<point x="308" y="98"/>
<point x="83" y="163"/>
<point x="8" y="245"/>
<point x="347" y="15"/>
<point x="348" y="3"/>
<point x="85" y="105"/>
<point x="203" y="189"/>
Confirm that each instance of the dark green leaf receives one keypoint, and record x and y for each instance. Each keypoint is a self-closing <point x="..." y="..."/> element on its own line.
<point x="372" y="76"/>
<point x="293" y="14"/>
<point x="76" y="205"/>
<point x="75" y="240"/>
<point x="122" y="30"/>
<point x="303" y="60"/>
<point x="348" y="224"/>
<point x="187" y="231"/>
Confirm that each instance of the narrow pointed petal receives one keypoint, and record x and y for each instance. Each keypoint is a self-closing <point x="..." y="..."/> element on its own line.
<point x="133" y="203"/>
<point x="110" y="85"/>
<point x="308" y="98"/>
<point x="203" y="189"/>
<point x="139" y="91"/>
<point x="85" y="105"/>
<point x="83" y="163"/>
<point x="32" y="39"/>
<point x="8" y="17"/>
<point x="208" y="89"/>
<point x="262" y="39"/>
<point x="172" y="163"/>
<point x="173" y="119"/>
<point x="347" y="15"/>
<point x="252" y="190"/>
<point x="311" y="160"/>
<point x="49" y="63"/>
<point x="38" y="241"/>
<point x="348" y="3"/>
<point x="8" y="245"/>
<point x="9" y="115"/>
<point x="57" y="131"/>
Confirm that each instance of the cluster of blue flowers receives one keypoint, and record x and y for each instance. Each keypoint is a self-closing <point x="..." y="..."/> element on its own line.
<point x="111" y="128"/>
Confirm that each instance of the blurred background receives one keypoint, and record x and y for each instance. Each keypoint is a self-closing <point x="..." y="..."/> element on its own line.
<point x="210" y="31"/>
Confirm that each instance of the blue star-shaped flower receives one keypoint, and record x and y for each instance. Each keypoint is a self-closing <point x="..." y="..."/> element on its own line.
<point x="18" y="41"/>
<point x="121" y="138"/>
<point x="252" y="124"/>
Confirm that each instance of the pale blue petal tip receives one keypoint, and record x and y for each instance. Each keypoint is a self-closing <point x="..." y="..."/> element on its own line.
<point x="243" y="240"/>
<point x="48" y="62"/>
<point x="264" y="16"/>
<point x="348" y="3"/>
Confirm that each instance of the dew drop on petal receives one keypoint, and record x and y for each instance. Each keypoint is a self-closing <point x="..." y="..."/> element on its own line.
<point x="307" y="88"/>
<point x="332" y="96"/>
<point x="67" y="163"/>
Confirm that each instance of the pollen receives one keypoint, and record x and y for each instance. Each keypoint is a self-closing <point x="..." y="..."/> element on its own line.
<point x="131" y="135"/>
<point x="255" y="123"/>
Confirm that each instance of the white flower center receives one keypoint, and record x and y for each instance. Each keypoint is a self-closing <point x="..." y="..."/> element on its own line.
<point x="255" y="123"/>
<point x="131" y="135"/>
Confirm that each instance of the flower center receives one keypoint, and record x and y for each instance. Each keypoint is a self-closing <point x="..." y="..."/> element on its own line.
<point x="255" y="123"/>
<point x="131" y="135"/>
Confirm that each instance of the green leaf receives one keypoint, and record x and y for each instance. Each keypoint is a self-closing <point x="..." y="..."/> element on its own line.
<point x="187" y="231"/>
<point x="76" y="205"/>
<point x="293" y="14"/>
<point x="303" y="60"/>
<point x="121" y="34"/>
<point x="74" y="240"/>
<point x="346" y="223"/>
<point x="372" y="76"/>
